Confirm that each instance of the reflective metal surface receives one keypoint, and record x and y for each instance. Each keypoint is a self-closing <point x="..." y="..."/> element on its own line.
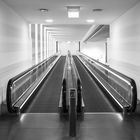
<point x="94" y="126"/>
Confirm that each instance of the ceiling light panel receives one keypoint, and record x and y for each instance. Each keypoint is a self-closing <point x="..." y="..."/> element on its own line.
<point x="90" y="20"/>
<point x="49" y="20"/>
<point x="97" y="10"/>
<point x="73" y="14"/>
<point x="73" y="11"/>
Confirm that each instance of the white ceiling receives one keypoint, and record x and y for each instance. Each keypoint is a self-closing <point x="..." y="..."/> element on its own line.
<point x="68" y="32"/>
<point x="70" y="29"/>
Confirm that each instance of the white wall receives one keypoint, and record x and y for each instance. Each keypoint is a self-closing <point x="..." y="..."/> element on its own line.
<point x="124" y="51"/>
<point x="64" y="47"/>
<point x="43" y="44"/>
<point x="15" y="46"/>
<point x="95" y="50"/>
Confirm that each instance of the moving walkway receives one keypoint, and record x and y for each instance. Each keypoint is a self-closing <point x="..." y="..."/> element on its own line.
<point x="108" y="91"/>
<point x="119" y="88"/>
<point x="23" y="88"/>
<point x="74" y="85"/>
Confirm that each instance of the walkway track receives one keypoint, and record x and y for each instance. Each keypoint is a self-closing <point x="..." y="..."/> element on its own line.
<point x="47" y="97"/>
<point x="94" y="98"/>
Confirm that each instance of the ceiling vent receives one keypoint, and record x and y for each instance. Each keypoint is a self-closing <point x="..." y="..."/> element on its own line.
<point x="43" y="10"/>
<point x="97" y="10"/>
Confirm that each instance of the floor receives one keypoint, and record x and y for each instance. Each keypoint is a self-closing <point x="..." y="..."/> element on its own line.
<point x="92" y="126"/>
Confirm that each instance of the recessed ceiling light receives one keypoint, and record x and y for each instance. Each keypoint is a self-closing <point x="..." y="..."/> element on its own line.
<point x="73" y="14"/>
<point x="73" y="11"/>
<point x="90" y="20"/>
<point x="68" y="42"/>
<point x="43" y="10"/>
<point x="49" y="20"/>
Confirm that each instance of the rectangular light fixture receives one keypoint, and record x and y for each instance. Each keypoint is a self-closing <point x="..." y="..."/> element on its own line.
<point x="73" y="11"/>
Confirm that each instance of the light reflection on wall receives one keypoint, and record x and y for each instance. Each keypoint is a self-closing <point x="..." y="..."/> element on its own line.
<point x="30" y="29"/>
<point x="26" y="43"/>
<point x="115" y="43"/>
<point x="45" y="43"/>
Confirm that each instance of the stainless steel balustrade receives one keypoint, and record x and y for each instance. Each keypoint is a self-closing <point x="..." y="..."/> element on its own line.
<point x="71" y="79"/>
<point x="21" y="87"/>
<point x="122" y="88"/>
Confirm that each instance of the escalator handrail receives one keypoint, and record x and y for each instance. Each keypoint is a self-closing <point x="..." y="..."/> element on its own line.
<point x="17" y="77"/>
<point x="131" y="82"/>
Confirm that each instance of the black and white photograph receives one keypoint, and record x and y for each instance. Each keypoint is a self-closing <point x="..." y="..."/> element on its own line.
<point x="69" y="69"/>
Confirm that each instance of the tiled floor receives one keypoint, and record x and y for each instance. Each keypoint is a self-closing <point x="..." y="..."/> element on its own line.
<point x="96" y="126"/>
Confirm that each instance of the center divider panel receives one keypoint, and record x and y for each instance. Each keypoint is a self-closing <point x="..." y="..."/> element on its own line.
<point x="47" y="97"/>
